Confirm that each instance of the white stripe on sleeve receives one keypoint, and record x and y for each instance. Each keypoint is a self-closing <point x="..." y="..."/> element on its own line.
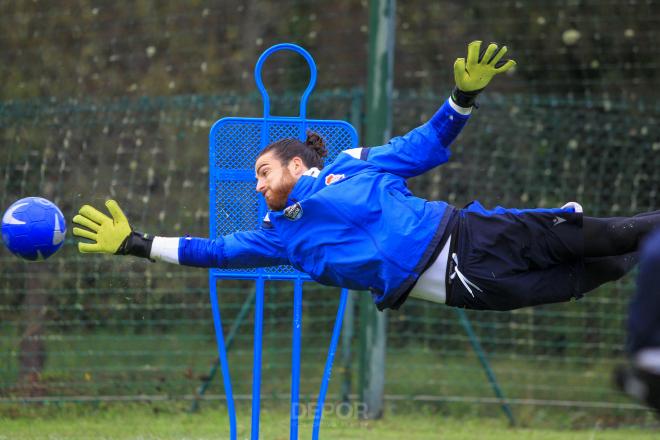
<point x="354" y="152"/>
<point x="458" y="108"/>
<point x="165" y="249"/>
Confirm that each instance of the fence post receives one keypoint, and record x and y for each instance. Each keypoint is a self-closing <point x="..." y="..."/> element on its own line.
<point x="378" y="129"/>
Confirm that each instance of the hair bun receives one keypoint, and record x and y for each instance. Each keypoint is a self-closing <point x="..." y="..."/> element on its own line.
<point x="316" y="142"/>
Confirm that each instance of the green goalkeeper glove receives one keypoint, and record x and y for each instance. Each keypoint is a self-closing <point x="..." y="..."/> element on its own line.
<point x="473" y="76"/>
<point x="110" y="235"/>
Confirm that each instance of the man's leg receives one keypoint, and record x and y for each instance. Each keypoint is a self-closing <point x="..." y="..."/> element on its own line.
<point x="604" y="237"/>
<point x="642" y="378"/>
<point x="598" y="271"/>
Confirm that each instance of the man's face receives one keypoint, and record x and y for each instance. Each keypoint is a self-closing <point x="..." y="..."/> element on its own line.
<point x="275" y="181"/>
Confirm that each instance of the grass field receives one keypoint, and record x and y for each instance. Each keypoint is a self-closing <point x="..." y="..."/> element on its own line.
<point x="125" y="366"/>
<point x="171" y="365"/>
<point x="171" y="421"/>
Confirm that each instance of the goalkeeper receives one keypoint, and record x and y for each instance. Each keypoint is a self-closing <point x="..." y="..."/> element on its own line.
<point x="355" y="224"/>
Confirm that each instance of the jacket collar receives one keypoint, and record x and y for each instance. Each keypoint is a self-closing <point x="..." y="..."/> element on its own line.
<point x="303" y="187"/>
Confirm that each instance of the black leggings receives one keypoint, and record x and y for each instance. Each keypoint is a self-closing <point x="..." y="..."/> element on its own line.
<point x="611" y="244"/>
<point x="604" y="237"/>
<point x="599" y="271"/>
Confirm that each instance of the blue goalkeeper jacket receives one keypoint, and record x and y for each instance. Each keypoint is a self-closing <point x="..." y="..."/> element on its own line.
<point x="353" y="224"/>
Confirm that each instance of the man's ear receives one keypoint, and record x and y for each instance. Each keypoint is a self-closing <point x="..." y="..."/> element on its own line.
<point x="297" y="166"/>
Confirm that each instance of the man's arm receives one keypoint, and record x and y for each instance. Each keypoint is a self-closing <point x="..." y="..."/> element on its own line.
<point x="114" y="235"/>
<point x="244" y="249"/>
<point x="423" y="148"/>
<point x="427" y="146"/>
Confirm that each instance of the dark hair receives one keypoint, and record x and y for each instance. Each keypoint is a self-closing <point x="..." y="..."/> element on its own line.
<point x="312" y="151"/>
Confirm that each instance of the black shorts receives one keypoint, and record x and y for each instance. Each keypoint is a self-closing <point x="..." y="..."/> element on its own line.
<point x="512" y="258"/>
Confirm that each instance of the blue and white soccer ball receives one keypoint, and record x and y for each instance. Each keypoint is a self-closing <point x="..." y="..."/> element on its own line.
<point x="33" y="228"/>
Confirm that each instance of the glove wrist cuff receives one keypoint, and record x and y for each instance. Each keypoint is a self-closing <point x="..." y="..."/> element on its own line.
<point x="137" y="244"/>
<point x="465" y="99"/>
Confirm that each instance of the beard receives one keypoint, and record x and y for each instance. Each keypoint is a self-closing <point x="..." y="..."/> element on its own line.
<point x="277" y="196"/>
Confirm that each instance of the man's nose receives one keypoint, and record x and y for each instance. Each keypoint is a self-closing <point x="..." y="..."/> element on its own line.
<point x="260" y="185"/>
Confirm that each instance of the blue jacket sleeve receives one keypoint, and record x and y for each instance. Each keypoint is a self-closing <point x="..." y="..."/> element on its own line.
<point x="244" y="249"/>
<point x="423" y="148"/>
